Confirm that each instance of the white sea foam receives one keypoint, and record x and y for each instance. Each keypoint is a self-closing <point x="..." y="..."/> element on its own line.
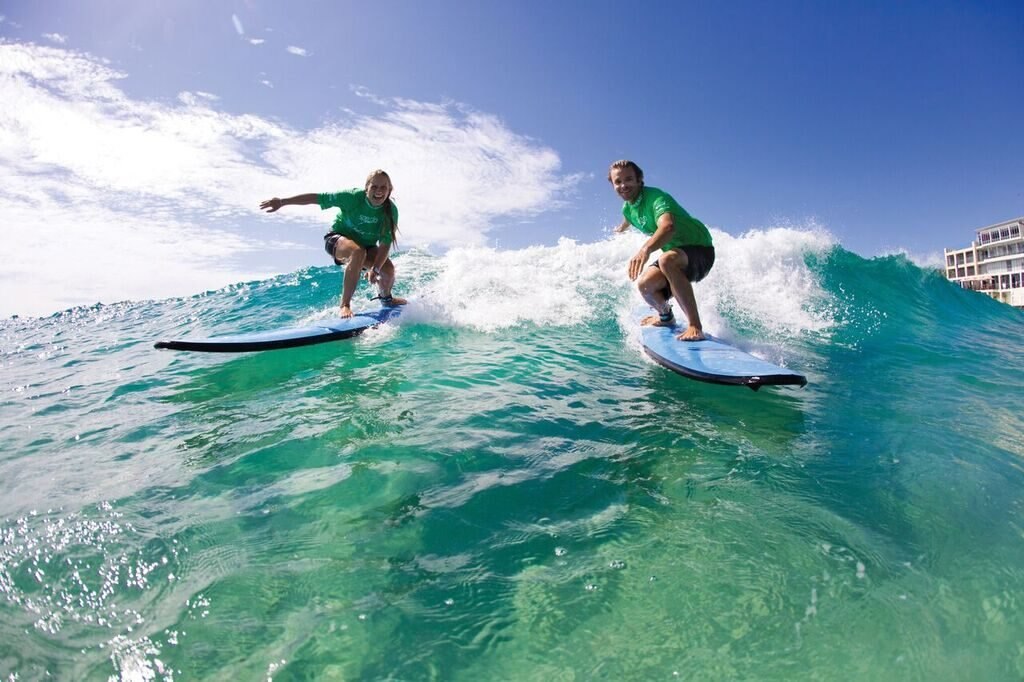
<point x="760" y="277"/>
<point x="932" y="260"/>
<point x="760" y="281"/>
<point x="486" y="289"/>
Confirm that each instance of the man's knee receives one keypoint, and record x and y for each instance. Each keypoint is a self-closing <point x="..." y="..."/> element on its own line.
<point x="673" y="259"/>
<point x="651" y="281"/>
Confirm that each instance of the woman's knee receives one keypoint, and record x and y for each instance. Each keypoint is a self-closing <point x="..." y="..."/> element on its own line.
<point x="349" y="252"/>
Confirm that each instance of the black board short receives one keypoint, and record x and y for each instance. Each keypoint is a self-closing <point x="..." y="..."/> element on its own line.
<point x="699" y="261"/>
<point x="331" y="240"/>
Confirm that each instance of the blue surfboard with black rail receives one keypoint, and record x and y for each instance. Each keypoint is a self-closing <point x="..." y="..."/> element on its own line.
<point x="287" y="337"/>
<point x="712" y="360"/>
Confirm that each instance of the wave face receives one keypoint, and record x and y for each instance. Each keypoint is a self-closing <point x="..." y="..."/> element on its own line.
<point x="502" y="486"/>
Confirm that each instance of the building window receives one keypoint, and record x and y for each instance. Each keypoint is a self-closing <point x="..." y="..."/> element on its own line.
<point x="970" y="270"/>
<point x="970" y="257"/>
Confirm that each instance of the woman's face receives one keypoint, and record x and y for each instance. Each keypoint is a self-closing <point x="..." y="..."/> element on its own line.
<point x="378" y="189"/>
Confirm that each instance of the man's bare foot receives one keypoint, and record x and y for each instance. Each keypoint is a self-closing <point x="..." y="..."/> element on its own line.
<point x="397" y="300"/>
<point x="692" y="334"/>
<point x="656" y="321"/>
<point x="346" y="311"/>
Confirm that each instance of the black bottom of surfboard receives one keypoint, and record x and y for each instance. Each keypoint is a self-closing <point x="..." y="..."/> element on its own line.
<point x="251" y="346"/>
<point x="751" y="382"/>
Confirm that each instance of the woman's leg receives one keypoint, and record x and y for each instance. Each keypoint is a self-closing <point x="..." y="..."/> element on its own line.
<point x="386" y="281"/>
<point x="352" y="257"/>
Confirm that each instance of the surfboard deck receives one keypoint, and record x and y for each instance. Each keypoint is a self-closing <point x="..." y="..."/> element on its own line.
<point x="288" y="337"/>
<point x="712" y="360"/>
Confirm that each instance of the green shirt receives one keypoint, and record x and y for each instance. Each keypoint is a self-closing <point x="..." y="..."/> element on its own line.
<point x="650" y="204"/>
<point x="359" y="220"/>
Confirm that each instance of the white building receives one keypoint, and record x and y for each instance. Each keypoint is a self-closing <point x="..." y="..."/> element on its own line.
<point x="993" y="264"/>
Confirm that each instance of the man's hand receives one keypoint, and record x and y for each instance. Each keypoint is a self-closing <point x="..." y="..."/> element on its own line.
<point x="637" y="262"/>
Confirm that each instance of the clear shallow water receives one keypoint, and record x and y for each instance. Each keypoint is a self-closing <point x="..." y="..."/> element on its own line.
<point x="503" y="487"/>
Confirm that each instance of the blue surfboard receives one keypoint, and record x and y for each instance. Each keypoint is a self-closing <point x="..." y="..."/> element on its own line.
<point x="288" y="337"/>
<point x="712" y="360"/>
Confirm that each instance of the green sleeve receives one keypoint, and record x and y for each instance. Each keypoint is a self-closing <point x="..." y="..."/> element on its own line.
<point x="661" y="205"/>
<point x="336" y="199"/>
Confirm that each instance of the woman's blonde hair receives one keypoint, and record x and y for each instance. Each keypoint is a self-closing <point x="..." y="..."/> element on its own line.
<point x="389" y="219"/>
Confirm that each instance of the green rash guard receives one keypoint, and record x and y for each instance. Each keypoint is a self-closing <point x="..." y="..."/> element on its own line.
<point x="358" y="219"/>
<point x="643" y="214"/>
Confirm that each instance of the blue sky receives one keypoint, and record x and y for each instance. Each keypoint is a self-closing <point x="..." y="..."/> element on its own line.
<point x="135" y="131"/>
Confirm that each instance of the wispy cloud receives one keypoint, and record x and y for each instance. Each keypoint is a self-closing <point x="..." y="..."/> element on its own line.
<point x="56" y="38"/>
<point x="195" y="98"/>
<point x="257" y="41"/>
<point x="132" y="182"/>
<point x="267" y="83"/>
<point x="297" y="51"/>
<point x="239" y="29"/>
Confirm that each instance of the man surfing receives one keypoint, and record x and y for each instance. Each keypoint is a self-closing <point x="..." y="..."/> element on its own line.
<point x="687" y="252"/>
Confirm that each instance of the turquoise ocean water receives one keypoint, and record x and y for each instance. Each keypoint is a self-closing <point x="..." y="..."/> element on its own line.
<point x="502" y="487"/>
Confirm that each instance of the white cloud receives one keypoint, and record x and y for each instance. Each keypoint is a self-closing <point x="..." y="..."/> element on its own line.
<point x="257" y="41"/>
<point x="239" y="29"/>
<point x="297" y="51"/>
<point x="81" y="252"/>
<point x="56" y="38"/>
<point x="365" y="93"/>
<point x="267" y="83"/>
<point x="195" y="98"/>
<point x="110" y="198"/>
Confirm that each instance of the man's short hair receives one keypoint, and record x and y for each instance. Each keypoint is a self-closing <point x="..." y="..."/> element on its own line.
<point x="625" y="163"/>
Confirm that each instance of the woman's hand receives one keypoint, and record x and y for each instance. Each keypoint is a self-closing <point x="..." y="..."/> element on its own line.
<point x="271" y="205"/>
